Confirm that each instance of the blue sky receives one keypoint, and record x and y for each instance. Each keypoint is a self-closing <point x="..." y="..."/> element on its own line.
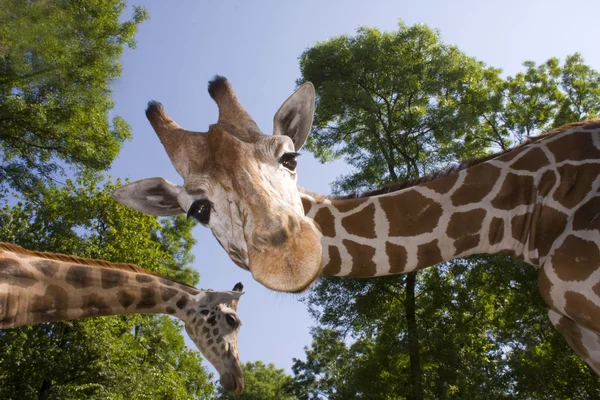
<point x="256" y="45"/>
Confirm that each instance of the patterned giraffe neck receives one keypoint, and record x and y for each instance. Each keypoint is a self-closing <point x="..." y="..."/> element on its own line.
<point x="37" y="287"/>
<point x="518" y="202"/>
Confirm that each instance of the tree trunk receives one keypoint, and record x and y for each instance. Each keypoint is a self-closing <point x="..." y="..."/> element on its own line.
<point x="44" y="392"/>
<point x="413" y="338"/>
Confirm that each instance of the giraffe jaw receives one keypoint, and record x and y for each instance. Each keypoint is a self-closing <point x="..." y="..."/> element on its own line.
<point x="291" y="267"/>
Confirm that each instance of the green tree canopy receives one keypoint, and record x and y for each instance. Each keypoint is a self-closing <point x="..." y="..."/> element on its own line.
<point x="57" y="60"/>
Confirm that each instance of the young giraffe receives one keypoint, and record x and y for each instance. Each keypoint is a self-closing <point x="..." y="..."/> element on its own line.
<point x="38" y="287"/>
<point x="539" y="202"/>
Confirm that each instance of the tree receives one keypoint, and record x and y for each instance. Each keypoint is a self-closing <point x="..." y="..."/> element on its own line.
<point x="262" y="382"/>
<point x="119" y="357"/>
<point x="397" y="105"/>
<point x="394" y="105"/>
<point x="57" y="60"/>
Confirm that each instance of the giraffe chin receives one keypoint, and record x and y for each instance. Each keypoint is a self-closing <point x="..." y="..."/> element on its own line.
<point x="291" y="267"/>
<point x="232" y="383"/>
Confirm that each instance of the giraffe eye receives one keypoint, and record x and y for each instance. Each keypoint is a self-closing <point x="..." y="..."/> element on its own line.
<point x="288" y="160"/>
<point x="231" y="321"/>
<point x="200" y="210"/>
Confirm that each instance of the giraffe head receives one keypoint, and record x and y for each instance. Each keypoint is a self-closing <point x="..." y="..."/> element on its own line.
<point x="213" y="325"/>
<point x="241" y="184"/>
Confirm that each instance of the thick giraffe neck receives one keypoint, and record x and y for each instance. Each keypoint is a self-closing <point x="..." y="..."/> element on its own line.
<point x="35" y="290"/>
<point x="466" y="212"/>
<point x="522" y="202"/>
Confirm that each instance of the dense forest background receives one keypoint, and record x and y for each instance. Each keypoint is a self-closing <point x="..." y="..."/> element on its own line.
<point x="394" y="105"/>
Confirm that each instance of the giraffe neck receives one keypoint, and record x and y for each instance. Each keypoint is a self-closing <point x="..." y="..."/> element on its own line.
<point x="518" y="203"/>
<point x="35" y="289"/>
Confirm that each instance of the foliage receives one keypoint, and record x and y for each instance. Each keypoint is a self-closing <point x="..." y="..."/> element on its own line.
<point x="262" y="382"/>
<point x="397" y="105"/>
<point x="112" y="357"/>
<point x="57" y="60"/>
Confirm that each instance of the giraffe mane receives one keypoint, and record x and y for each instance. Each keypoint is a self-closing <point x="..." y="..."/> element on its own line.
<point x="81" y="260"/>
<point x="396" y="186"/>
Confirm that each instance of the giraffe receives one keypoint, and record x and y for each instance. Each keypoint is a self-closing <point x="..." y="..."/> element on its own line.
<point x="539" y="202"/>
<point x="38" y="287"/>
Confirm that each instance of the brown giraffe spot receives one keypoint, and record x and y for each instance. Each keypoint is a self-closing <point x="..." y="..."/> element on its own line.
<point x="126" y="298"/>
<point x="212" y="320"/>
<point x="511" y="154"/>
<point x="582" y="310"/>
<point x="428" y="254"/>
<point x="465" y="223"/>
<point x="205" y="330"/>
<point x="79" y="277"/>
<point x="516" y="191"/>
<point x="334" y="266"/>
<point x="479" y="181"/>
<point x="210" y="342"/>
<point x="325" y="219"/>
<point x="591" y="127"/>
<point x="147" y="298"/>
<point x="51" y="306"/>
<point x="219" y="340"/>
<point x="306" y="204"/>
<point x="170" y="310"/>
<point x="545" y="287"/>
<point x="182" y="302"/>
<point x="575" y="183"/>
<point x="533" y="161"/>
<point x="588" y="215"/>
<point x="576" y="146"/>
<point x="14" y="274"/>
<point x="443" y="184"/>
<point x="466" y="243"/>
<point x="188" y="289"/>
<point x="410" y="213"/>
<point x="572" y="334"/>
<point x="94" y="305"/>
<point x="397" y="257"/>
<point x="520" y="225"/>
<point x="596" y="289"/>
<point x="549" y="224"/>
<point x="46" y="267"/>
<point x="547" y="182"/>
<point x="167" y="293"/>
<point x="166" y="282"/>
<point x="576" y="259"/>
<point x="111" y="278"/>
<point x="347" y="205"/>
<point x="496" y="232"/>
<point x="362" y="258"/>
<point x="361" y="223"/>
<point x="214" y="350"/>
<point x="215" y="331"/>
<point x="142" y="278"/>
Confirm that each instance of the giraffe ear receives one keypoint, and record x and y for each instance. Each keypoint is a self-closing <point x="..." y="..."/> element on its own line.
<point x="294" y="117"/>
<point x="154" y="196"/>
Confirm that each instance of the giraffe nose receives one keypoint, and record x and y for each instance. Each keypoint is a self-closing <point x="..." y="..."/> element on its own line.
<point x="276" y="237"/>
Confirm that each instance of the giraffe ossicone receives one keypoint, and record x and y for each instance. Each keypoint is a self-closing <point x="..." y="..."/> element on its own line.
<point x="37" y="287"/>
<point x="539" y="202"/>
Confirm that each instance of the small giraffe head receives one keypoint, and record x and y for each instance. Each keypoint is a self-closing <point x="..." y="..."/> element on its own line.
<point x="213" y="325"/>
<point x="241" y="184"/>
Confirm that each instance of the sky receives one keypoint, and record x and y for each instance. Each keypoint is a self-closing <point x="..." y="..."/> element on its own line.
<point x="256" y="45"/>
